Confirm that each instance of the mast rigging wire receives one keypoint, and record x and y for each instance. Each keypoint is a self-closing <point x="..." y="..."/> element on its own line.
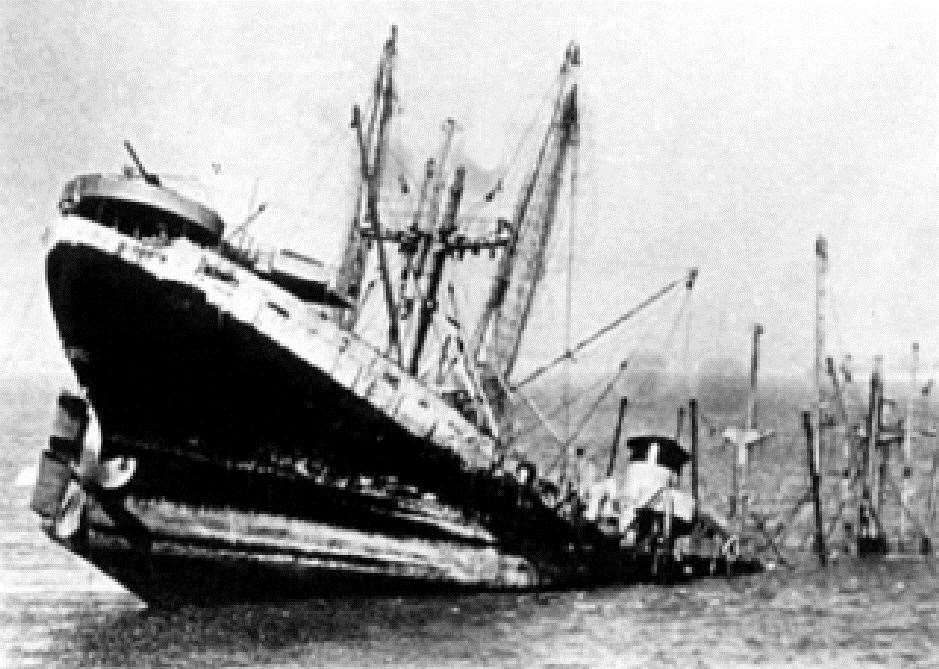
<point x="601" y="332"/>
<point x="639" y="340"/>
<point x="645" y="383"/>
<point x="544" y="419"/>
<point x="621" y="371"/>
<point x="506" y="167"/>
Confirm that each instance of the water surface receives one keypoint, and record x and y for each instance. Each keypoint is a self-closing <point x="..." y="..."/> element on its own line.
<point x="56" y="609"/>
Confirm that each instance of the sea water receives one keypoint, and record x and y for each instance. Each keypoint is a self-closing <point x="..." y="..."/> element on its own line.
<point x="55" y="609"/>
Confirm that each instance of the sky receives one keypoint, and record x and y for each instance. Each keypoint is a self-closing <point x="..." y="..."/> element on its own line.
<point x="725" y="136"/>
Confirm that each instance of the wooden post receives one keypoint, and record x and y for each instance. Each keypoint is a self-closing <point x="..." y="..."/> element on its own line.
<point x="906" y="483"/>
<point x="734" y="481"/>
<point x="693" y="416"/>
<point x="821" y="273"/>
<point x="679" y="423"/>
<point x="614" y="447"/>
<point x="931" y="504"/>
<point x="754" y="376"/>
<point x="875" y="462"/>
<point x="732" y="502"/>
<point x="815" y="480"/>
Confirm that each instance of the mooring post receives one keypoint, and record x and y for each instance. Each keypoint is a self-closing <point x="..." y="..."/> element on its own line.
<point x="734" y="482"/>
<point x="906" y="483"/>
<point x="740" y="500"/>
<point x="693" y="417"/>
<point x="814" y="476"/>
<point x="732" y="502"/>
<point x="754" y="376"/>
<point x="614" y="447"/>
<point x="880" y="451"/>
<point x="925" y="546"/>
<point x="871" y="538"/>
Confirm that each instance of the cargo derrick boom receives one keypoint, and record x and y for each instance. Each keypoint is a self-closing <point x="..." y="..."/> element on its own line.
<point x="498" y="334"/>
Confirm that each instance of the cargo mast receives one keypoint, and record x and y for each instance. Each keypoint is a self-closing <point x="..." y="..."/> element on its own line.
<point x="365" y="225"/>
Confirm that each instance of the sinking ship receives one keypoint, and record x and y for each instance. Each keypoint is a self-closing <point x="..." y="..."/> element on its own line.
<point x="237" y="437"/>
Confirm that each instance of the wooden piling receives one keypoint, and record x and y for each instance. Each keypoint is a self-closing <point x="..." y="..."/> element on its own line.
<point x="693" y="417"/>
<point x="815" y="481"/>
<point x="906" y="484"/>
<point x="754" y="376"/>
<point x="617" y="433"/>
<point x="870" y="536"/>
<point x="734" y="482"/>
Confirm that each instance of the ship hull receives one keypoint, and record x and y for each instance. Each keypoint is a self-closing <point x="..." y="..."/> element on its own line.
<point x="275" y="456"/>
<point x="201" y="377"/>
<point x="172" y="553"/>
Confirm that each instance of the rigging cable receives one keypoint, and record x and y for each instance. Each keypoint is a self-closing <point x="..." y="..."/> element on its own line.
<point x="689" y="283"/>
<point x="642" y="337"/>
<point x="544" y="419"/>
<point x="619" y="373"/>
<point x="506" y="167"/>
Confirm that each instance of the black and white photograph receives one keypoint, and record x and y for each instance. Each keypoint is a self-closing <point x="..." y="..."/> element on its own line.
<point x="469" y="334"/>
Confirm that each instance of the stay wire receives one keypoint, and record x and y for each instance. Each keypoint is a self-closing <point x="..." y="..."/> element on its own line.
<point x="623" y="365"/>
<point x="643" y="337"/>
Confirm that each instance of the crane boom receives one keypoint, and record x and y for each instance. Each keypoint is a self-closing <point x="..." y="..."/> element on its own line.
<point x="521" y="268"/>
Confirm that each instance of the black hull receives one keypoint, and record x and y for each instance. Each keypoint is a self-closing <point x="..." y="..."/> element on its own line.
<point x="261" y="475"/>
<point x="210" y="407"/>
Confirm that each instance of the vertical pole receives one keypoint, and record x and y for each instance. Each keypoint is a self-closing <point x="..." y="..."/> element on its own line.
<point x="908" y="422"/>
<point x="420" y="239"/>
<point x="815" y="480"/>
<point x="930" y="517"/>
<point x="911" y="394"/>
<point x="429" y="303"/>
<point x="431" y="223"/>
<point x="877" y="448"/>
<point x="734" y="485"/>
<point x="821" y="271"/>
<point x="868" y="535"/>
<point x="614" y="447"/>
<point x="754" y="376"/>
<point x="848" y="449"/>
<point x="679" y="423"/>
<point x="740" y="478"/>
<point x="693" y="416"/>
